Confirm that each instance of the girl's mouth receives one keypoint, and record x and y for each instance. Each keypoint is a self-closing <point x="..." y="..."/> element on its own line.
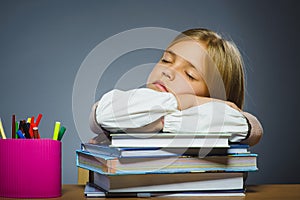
<point x="160" y="86"/>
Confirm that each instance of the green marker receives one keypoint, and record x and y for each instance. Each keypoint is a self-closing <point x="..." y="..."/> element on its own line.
<point x="61" y="133"/>
<point x="17" y="128"/>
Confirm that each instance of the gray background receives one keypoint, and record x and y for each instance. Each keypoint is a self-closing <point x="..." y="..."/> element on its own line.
<point x="43" y="43"/>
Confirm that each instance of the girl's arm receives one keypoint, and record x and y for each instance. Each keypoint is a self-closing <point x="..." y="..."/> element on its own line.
<point x="130" y="111"/>
<point x="103" y="136"/>
<point x="214" y="116"/>
<point x="255" y="131"/>
<point x="139" y="110"/>
<point x="186" y="101"/>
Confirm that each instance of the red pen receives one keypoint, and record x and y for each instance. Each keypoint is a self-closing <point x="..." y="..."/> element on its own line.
<point x="31" y="127"/>
<point x="36" y="124"/>
<point x="38" y="119"/>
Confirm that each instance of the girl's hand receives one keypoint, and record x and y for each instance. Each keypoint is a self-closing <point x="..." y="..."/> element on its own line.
<point x="186" y="101"/>
<point x="153" y="127"/>
<point x="232" y="105"/>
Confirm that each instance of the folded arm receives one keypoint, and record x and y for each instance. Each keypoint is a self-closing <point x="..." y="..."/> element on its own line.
<point x="255" y="130"/>
<point x="146" y="110"/>
<point x="135" y="110"/>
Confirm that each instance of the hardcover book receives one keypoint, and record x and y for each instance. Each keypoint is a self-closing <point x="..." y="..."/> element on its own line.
<point x="186" y="140"/>
<point x="171" y="182"/>
<point x="123" y="152"/>
<point x="114" y="165"/>
<point x="92" y="191"/>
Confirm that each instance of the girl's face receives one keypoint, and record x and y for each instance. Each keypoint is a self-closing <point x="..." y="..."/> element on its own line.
<point x="180" y="70"/>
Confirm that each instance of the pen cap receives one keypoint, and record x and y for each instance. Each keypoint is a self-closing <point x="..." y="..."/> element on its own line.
<point x="30" y="168"/>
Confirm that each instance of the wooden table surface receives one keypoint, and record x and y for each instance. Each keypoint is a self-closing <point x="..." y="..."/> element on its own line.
<point x="282" y="192"/>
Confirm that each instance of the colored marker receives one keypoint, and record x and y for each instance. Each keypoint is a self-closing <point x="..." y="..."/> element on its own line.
<point x="28" y="120"/>
<point x="17" y="127"/>
<point x="61" y="133"/>
<point x="31" y="125"/>
<point x="2" y="130"/>
<point x="24" y="128"/>
<point x="20" y="134"/>
<point x="38" y="119"/>
<point x="13" y="127"/>
<point x="56" y="130"/>
<point x="35" y="132"/>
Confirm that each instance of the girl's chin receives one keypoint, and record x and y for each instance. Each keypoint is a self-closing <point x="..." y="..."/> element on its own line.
<point x="154" y="88"/>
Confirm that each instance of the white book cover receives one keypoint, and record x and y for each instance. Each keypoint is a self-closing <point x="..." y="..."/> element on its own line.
<point x="91" y="191"/>
<point x="171" y="182"/>
<point x="170" y="140"/>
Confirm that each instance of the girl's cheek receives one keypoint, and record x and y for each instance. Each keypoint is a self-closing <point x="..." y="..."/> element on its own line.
<point x="153" y="73"/>
<point x="150" y="77"/>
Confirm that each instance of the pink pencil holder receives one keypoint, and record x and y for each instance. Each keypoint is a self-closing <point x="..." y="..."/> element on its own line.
<point x="30" y="168"/>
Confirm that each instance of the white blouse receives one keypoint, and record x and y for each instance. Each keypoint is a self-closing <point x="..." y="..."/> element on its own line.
<point x="120" y="110"/>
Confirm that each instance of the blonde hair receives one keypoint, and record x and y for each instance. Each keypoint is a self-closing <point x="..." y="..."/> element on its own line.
<point x="226" y="57"/>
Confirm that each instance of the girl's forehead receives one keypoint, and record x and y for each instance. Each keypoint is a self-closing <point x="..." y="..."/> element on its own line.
<point x="192" y="51"/>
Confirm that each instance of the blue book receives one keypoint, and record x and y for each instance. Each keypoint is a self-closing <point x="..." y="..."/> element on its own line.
<point x="123" y="152"/>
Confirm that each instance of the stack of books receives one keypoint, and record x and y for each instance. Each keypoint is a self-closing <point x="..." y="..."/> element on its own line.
<point x="166" y="164"/>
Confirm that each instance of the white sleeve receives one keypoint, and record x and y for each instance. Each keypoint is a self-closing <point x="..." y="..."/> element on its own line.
<point x="118" y="110"/>
<point x="209" y="117"/>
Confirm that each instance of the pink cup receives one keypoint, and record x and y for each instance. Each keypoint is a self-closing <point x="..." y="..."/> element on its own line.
<point x="30" y="168"/>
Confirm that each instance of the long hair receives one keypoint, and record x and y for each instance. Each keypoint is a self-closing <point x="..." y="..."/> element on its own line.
<point x="226" y="57"/>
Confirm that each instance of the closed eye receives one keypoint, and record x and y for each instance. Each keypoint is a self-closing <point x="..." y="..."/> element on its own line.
<point x="190" y="76"/>
<point x="165" y="61"/>
<point x="168" y="57"/>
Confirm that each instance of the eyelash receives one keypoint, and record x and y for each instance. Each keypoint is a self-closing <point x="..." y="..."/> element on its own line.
<point x="165" y="61"/>
<point x="190" y="77"/>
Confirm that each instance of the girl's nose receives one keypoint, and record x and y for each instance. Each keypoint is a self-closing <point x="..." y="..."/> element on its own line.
<point x="168" y="73"/>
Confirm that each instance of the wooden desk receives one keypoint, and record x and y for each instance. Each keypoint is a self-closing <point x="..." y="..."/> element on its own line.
<point x="284" y="191"/>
